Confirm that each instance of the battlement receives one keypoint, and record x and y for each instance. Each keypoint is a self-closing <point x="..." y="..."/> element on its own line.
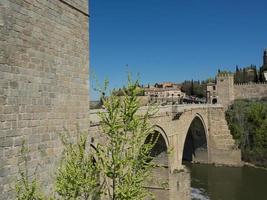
<point x="252" y="83"/>
<point x="225" y="74"/>
<point x="226" y="90"/>
<point x="250" y="90"/>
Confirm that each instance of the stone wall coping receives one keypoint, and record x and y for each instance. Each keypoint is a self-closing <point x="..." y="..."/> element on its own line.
<point x="163" y="110"/>
<point x="170" y="107"/>
<point x="241" y="84"/>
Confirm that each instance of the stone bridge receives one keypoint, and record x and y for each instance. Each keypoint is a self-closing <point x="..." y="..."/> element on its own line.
<point x="195" y="132"/>
<point x="204" y="125"/>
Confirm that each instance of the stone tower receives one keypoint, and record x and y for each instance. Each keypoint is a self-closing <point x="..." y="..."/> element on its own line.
<point x="44" y="70"/>
<point x="263" y="71"/>
<point x="225" y="88"/>
<point x="265" y="57"/>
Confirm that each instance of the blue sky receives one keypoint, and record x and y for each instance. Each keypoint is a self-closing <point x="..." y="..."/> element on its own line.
<point x="174" y="40"/>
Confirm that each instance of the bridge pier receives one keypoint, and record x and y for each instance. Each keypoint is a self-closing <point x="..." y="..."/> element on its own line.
<point x="222" y="147"/>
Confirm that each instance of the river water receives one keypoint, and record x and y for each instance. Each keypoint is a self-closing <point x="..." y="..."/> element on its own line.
<point x="227" y="183"/>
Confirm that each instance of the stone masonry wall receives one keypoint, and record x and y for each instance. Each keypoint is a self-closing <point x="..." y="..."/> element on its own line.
<point x="227" y="91"/>
<point x="223" y="149"/>
<point x="44" y="58"/>
<point x="250" y="91"/>
<point x="225" y="88"/>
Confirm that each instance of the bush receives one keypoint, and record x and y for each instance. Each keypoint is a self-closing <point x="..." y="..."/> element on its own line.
<point x="247" y="121"/>
<point x="27" y="187"/>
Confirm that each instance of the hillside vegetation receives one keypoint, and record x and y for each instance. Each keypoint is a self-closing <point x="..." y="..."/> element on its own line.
<point x="248" y="124"/>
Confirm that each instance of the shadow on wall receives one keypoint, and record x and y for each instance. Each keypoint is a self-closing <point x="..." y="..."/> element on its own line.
<point x="159" y="151"/>
<point x="195" y="146"/>
<point x="159" y="183"/>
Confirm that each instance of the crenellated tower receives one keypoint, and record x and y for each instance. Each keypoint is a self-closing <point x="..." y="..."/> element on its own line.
<point x="265" y="57"/>
<point x="225" y="88"/>
<point x="263" y="71"/>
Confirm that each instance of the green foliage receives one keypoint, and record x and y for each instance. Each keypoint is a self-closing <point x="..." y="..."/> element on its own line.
<point x="236" y="117"/>
<point x="78" y="175"/>
<point x="124" y="91"/>
<point x="209" y="80"/>
<point x="124" y="159"/>
<point x="248" y="124"/>
<point x="26" y="188"/>
<point x="258" y="117"/>
<point x="195" y="88"/>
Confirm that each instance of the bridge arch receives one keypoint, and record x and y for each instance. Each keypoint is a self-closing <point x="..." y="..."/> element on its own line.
<point x="173" y="123"/>
<point x="161" y="131"/>
<point x="159" y="151"/>
<point x="160" y="157"/>
<point x="195" y="141"/>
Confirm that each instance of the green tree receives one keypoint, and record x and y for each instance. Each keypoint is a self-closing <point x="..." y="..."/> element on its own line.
<point x="78" y="175"/>
<point x="247" y="121"/>
<point x="257" y="115"/>
<point x="27" y="187"/>
<point x="237" y="119"/>
<point x="195" y="88"/>
<point x="124" y="160"/>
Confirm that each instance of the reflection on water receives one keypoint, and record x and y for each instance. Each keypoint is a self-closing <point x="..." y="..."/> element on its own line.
<point x="199" y="194"/>
<point x="227" y="183"/>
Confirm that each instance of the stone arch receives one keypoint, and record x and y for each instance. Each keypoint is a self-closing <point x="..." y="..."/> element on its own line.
<point x="214" y="101"/>
<point x="159" y="151"/>
<point x="160" y="130"/>
<point x="160" y="173"/>
<point x="195" y="141"/>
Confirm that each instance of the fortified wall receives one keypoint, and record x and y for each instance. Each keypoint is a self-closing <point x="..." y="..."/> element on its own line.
<point x="225" y="91"/>
<point x="44" y="59"/>
<point x="250" y="91"/>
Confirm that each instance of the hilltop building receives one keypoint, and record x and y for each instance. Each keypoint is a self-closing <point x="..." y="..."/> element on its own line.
<point x="164" y="90"/>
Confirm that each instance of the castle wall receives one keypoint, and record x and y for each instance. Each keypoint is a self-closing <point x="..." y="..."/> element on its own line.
<point x="43" y="82"/>
<point x="227" y="91"/>
<point x="250" y="91"/>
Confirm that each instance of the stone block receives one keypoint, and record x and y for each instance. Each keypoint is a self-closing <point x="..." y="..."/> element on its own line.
<point x="6" y="142"/>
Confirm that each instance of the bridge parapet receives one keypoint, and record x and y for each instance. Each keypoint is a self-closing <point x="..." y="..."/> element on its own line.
<point x="162" y="110"/>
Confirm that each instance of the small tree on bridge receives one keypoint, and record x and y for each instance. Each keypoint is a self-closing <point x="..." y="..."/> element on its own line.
<point x="124" y="160"/>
